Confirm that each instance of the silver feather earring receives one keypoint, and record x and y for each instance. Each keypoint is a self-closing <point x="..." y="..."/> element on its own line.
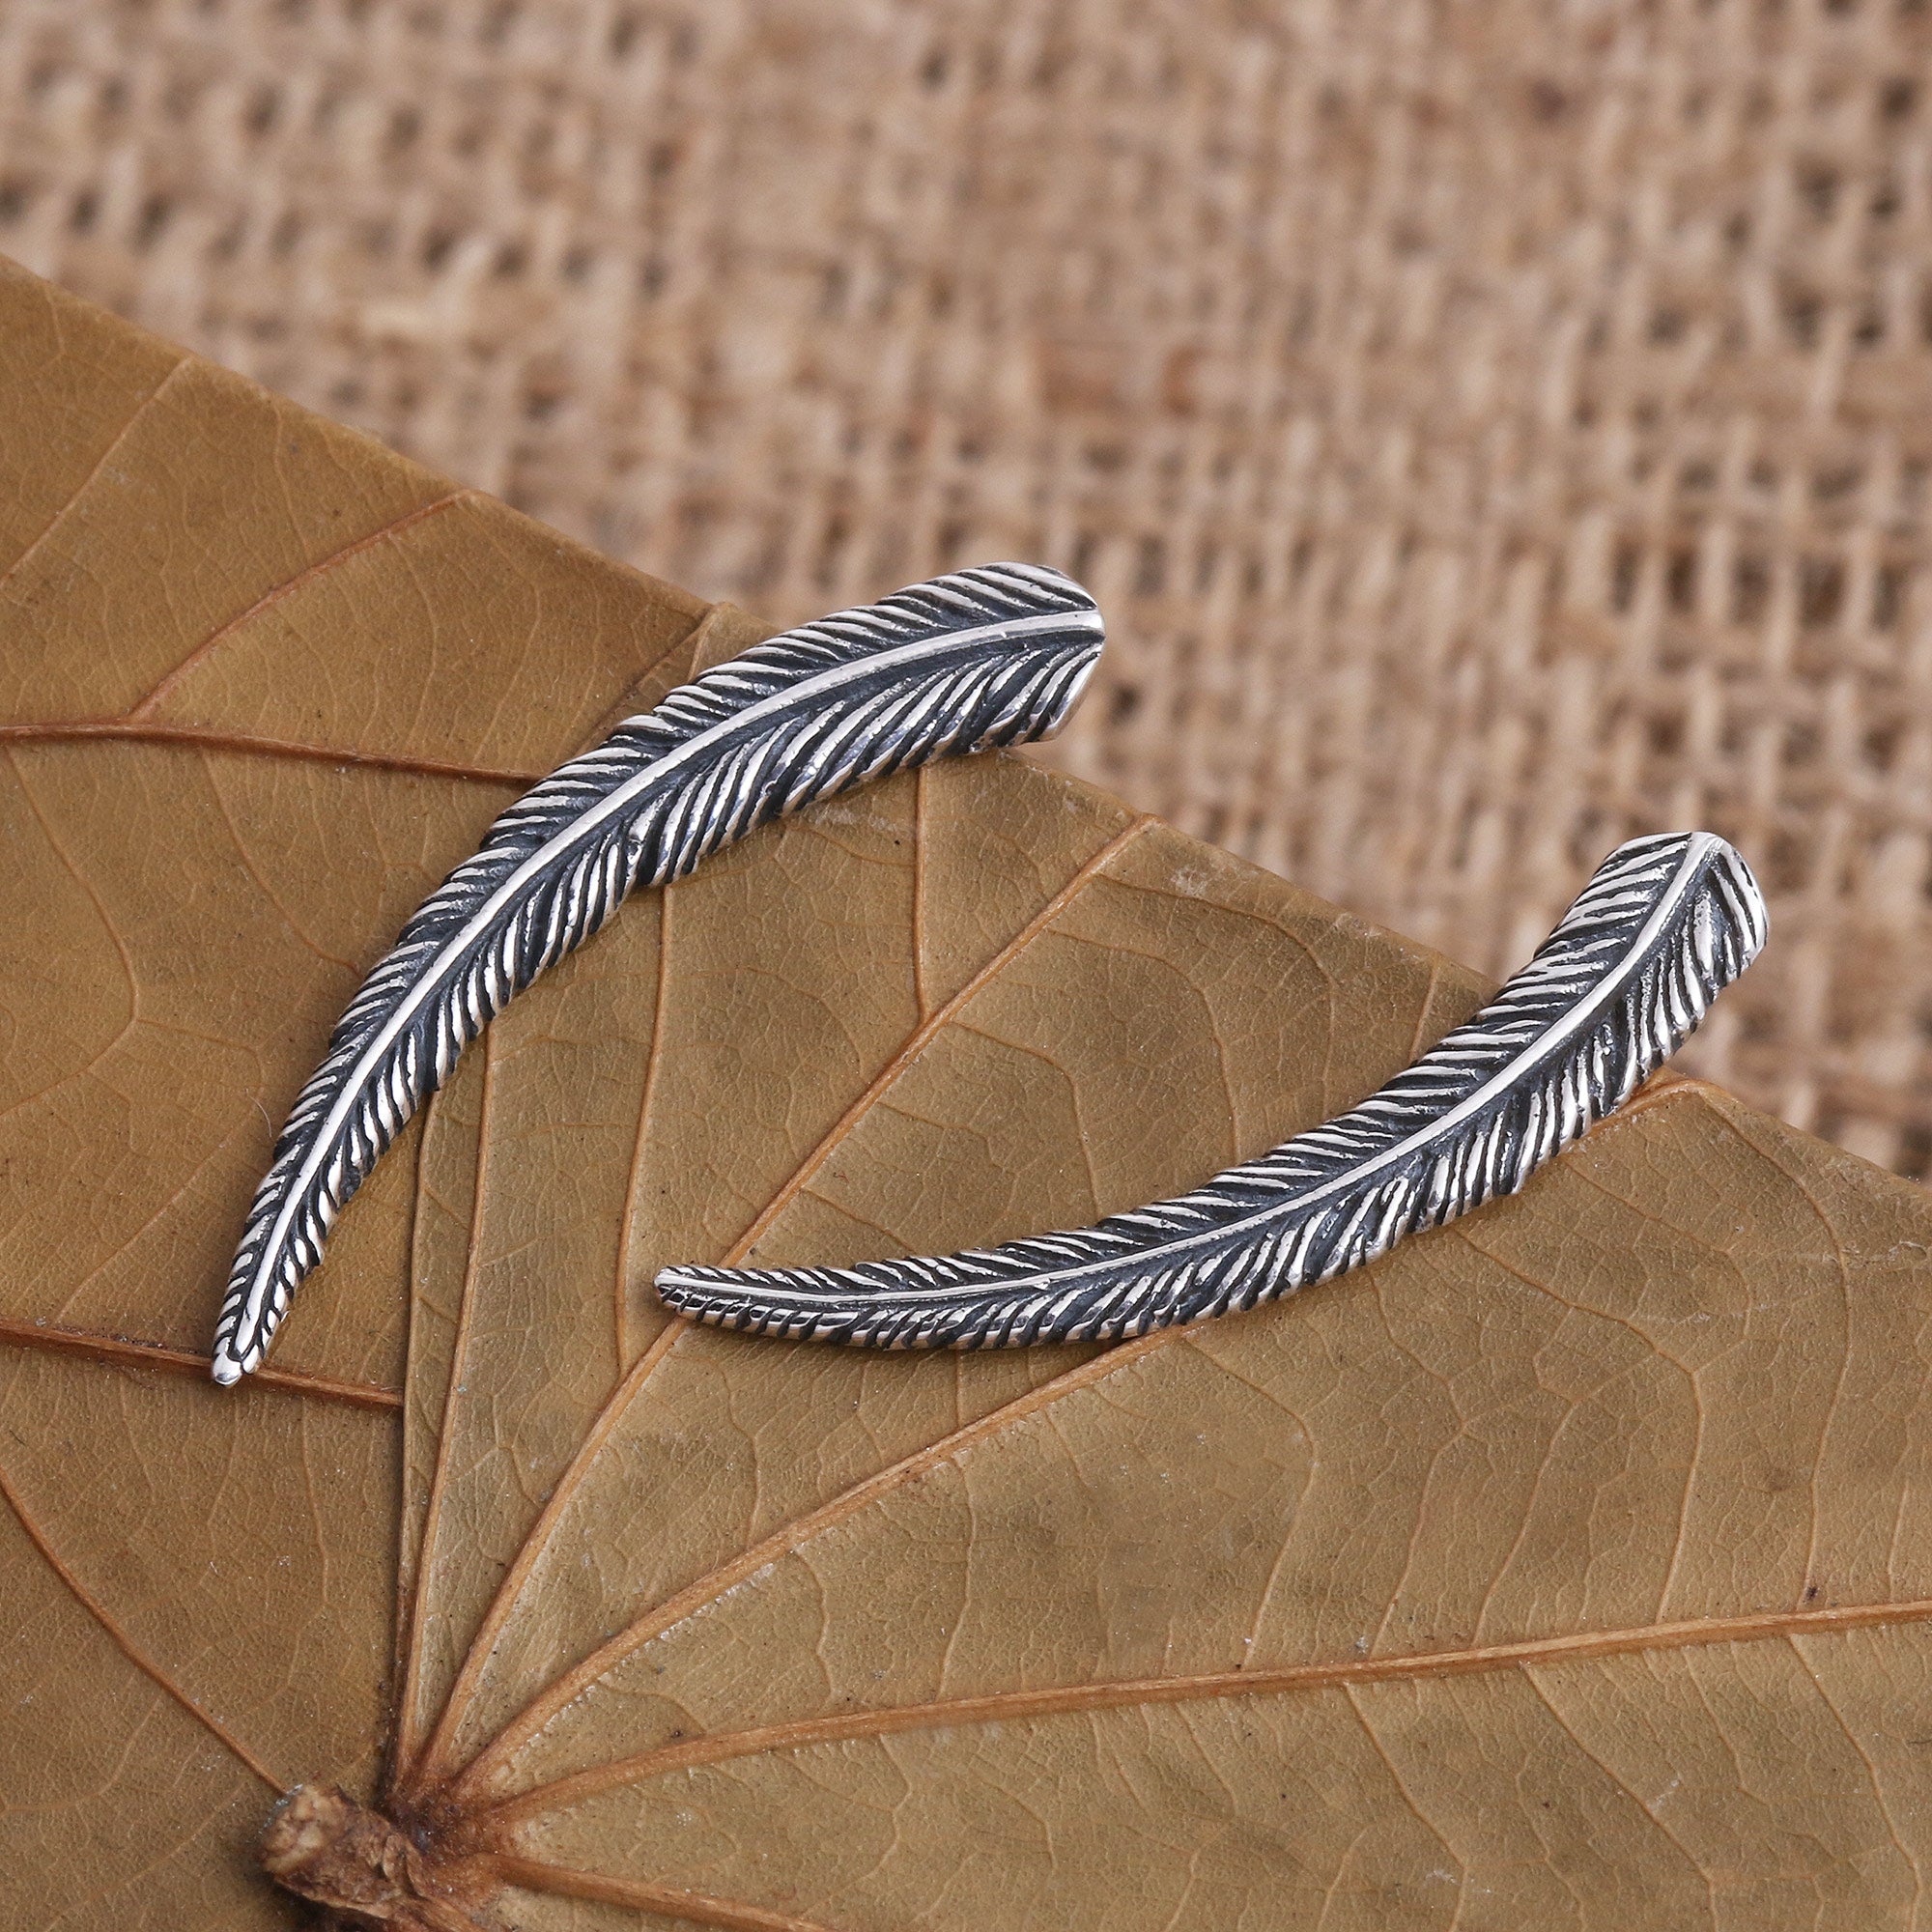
<point x="993" y="656"/>
<point x="1663" y="926"/>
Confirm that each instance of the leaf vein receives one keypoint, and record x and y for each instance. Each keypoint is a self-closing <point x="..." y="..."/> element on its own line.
<point x="144" y="707"/>
<point x="1345" y="1674"/>
<point x="126" y="1644"/>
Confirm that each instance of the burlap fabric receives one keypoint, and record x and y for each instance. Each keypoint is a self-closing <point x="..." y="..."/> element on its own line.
<point x="1491" y="429"/>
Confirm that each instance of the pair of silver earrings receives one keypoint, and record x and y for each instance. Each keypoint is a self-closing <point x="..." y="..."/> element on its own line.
<point x="993" y="656"/>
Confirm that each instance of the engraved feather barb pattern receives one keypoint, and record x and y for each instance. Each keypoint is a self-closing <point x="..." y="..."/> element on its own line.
<point x="1663" y="926"/>
<point x="991" y="656"/>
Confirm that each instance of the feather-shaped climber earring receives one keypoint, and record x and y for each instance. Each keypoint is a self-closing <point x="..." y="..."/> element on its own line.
<point x="1663" y="926"/>
<point x="993" y="656"/>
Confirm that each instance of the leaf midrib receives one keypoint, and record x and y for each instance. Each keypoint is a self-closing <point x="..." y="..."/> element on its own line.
<point x="129" y="1352"/>
<point x="1005" y="1706"/>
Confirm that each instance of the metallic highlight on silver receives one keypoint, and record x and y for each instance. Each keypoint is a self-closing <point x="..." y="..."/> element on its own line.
<point x="995" y="655"/>
<point x="1663" y="926"/>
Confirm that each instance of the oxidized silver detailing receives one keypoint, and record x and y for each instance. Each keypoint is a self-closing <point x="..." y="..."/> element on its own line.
<point x="992" y="656"/>
<point x="1663" y="926"/>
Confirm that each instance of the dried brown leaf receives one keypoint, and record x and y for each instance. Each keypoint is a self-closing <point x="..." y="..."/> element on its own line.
<point x="1568" y="1567"/>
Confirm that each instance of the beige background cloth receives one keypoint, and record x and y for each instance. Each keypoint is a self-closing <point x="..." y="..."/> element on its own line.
<point x="1492" y="429"/>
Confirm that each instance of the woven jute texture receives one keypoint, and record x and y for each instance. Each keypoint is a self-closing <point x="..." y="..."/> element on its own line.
<point x="1491" y="429"/>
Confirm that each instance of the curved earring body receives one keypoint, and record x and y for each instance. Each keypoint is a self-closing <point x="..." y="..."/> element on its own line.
<point x="1663" y="926"/>
<point x="993" y="656"/>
